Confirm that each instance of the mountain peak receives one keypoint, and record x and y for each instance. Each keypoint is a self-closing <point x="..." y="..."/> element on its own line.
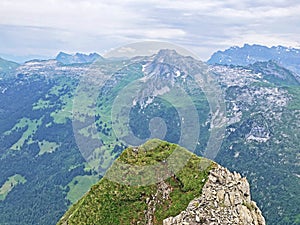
<point x="171" y="57"/>
<point x="163" y="52"/>
<point x="200" y="193"/>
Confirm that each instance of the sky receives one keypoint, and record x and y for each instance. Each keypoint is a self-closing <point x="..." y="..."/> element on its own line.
<point x="41" y="29"/>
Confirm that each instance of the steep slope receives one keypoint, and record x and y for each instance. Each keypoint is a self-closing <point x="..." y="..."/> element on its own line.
<point x="7" y="65"/>
<point x="225" y="199"/>
<point x="262" y="138"/>
<point x="248" y="54"/>
<point x="206" y="191"/>
<point x="276" y="74"/>
<point x="37" y="144"/>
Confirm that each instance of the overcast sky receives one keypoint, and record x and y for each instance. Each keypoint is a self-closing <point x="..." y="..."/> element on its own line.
<point x="31" y="28"/>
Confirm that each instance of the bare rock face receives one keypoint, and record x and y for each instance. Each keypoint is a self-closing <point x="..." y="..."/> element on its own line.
<point x="225" y="200"/>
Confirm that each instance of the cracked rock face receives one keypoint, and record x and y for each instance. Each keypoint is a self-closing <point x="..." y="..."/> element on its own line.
<point x="225" y="199"/>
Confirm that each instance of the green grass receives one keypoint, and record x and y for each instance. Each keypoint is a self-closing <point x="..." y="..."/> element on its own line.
<point x="86" y="132"/>
<point x="32" y="128"/>
<point x="85" y="99"/>
<point x="109" y="202"/>
<point x="61" y="116"/>
<point x="148" y="154"/>
<point x="294" y="91"/>
<point x="21" y="124"/>
<point x="79" y="186"/>
<point x="297" y="219"/>
<point x="249" y="206"/>
<point x="41" y="104"/>
<point x="263" y="84"/>
<point x="64" y="89"/>
<point x="47" y="147"/>
<point x="10" y="184"/>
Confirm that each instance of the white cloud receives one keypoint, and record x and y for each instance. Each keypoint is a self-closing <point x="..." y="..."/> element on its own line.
<point x="126" y="50"/>
<point x="78" y="15"/>
<point x="48" y="26"/>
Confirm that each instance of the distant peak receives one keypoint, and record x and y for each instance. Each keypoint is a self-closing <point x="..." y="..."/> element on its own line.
<point x="172" y="51"/>
<point x="168" y="55"/>
<point x="78" y="58"/>
<point x="62" y="53"/>
<point x="249" y="54"/>
<point x="164" y="52"/>
<point x="77" y="54"/>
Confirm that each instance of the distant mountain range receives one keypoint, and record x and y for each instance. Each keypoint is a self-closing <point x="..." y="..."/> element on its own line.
<point x="67" y="59"/>
<point x="249" y="54"/>
<point x="62" y="57"/>
<point x="238" y="56"/>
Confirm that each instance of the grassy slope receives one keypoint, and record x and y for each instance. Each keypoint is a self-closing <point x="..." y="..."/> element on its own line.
<point x="7" y="65"/>
<point x="79" y="186"/>
<point x="32" y="128"/>
<point x="112" y="203"/>
<point x="294" y="91"/>
<point x="10" y="184"/>
<point x="46" y="146"/>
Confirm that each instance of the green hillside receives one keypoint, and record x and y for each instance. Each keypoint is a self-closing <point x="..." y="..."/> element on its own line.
<point x="109" y="202"/>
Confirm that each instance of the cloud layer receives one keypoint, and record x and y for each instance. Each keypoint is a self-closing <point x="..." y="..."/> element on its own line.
<point x="29" y="27"/>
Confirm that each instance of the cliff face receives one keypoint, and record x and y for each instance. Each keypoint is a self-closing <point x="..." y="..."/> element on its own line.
<point x="225" y="199"/>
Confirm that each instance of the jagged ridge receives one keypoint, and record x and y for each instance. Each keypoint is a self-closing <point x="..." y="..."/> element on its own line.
<point x="67" y="59"/>
<point x="249" y="54"/>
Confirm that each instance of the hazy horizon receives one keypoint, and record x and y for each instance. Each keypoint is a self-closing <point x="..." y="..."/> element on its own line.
<point x="41" y="29"/>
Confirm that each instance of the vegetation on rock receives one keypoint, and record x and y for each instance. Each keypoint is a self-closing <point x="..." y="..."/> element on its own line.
<point x="113" y="203"/>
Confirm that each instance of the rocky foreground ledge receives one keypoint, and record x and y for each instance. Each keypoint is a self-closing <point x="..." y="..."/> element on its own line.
<point x="225" y="199"/>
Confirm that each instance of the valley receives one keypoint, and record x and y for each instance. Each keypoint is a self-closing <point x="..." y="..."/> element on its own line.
<point x="59" y="135"/>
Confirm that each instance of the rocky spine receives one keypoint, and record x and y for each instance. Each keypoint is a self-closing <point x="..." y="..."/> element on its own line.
<point x="225" y="200"/>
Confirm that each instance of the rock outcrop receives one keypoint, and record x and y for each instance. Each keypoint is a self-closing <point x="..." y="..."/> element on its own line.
<point x="225" y="200"/>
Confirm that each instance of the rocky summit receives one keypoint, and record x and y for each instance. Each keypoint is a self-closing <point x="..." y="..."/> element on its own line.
<point x="202" y="192"/>
<point x="225" y="199"/>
